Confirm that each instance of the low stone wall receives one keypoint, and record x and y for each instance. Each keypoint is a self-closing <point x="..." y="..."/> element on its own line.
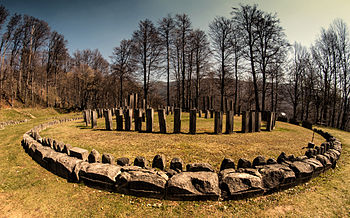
<point x="12" y="122"/>
<point x="198" y="181"/>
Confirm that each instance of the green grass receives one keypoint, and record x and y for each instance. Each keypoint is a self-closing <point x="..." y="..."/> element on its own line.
<point x="28" y="190"/>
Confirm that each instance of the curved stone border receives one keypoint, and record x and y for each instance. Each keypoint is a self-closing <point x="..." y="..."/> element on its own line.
<point x="198" y="182"/>
<point x="12" y="122"/>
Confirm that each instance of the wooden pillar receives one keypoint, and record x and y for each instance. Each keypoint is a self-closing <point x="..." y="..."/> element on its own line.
<point x="94" y="119"/>
<point x="119" y="119"/>
<point x="257" y="121"/>
<point x="252" y="121"/>
<point x="229" y="122"/>
<point x="149" y="119"/>
<point x="162" y="120"/>
<point x="177" y="120"/>
<point x="245" y="121"/>
<point x="218" y="122"/>
<point x="108" y="119"/>
<point x="193" y="119"/>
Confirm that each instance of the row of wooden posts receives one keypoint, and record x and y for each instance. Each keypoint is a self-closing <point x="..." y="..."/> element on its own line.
<point x="251" y="120"/>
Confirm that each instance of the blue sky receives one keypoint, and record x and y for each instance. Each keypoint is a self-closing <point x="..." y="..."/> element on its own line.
<point x="103" y="24"/>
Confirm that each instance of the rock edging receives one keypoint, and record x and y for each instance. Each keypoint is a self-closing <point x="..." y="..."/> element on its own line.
<point x="198" y="182"/>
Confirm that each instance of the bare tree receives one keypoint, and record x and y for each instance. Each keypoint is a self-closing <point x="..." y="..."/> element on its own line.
<point x="148" y="50"/>
<point x="166" y="27"/>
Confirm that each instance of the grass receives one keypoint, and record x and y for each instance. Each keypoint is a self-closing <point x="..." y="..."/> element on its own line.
<point x="202" y="147"/>
<point x="28" y="190"/>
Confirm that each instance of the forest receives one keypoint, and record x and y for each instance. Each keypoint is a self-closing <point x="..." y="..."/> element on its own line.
<point x="244" y="56"/>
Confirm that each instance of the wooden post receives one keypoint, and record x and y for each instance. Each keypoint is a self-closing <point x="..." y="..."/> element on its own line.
<point x="229" y="122"/>
<point x="218" y="122"/>
<point x="177" y="120"/>
<point x="162" y="120"/>
<point x="119" y="119"/>
<point x="257" y="121"/>
<point x="149" y="119"/>
<point x="108" y="119"/>
<point x="252" y="121"/>
<point x="245" y="121"/>
<point x="94" y="119"/>
<point x="193" y="119"/>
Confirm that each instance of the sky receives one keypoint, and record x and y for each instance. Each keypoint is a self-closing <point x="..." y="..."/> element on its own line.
<point x="102" y="24"/>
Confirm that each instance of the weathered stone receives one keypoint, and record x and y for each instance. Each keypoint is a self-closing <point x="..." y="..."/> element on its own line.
<point x="229" y="122"/>
<point x="317" y="165"/>
<point x="198" y="167"/>
<point x="259" y="161"/>
<point x="159" y="161"/>
<point x="108" y="119"/>
<point x="108" y="158"/>
<point x="162" y="120"/>
<point x="271" y="161"/>
<point x="227" y="163"/>
<point x="245" y="121"/>
<point x="60" y="146"/>
<point x="176" y="164"/>
<point x="149" y="119"/>
<point x="252" y="121"/>
<point x="177" y="120"/>
<point x="138" y="119"/>
<point x="243" y="163"/>
<point x="128" y="119"/>
<point x="282" y="157"/>
<point x="257" y="121"/>
<point x="100" y="175"/>
<point x="218" y="122"/>
<point x="140" y="161"/>
<point x="277" y="176"/>
<point x="119" y="119"/>
<point x="94" y="157"/>
<point x="67" y="148"/>
<point x="65" y="166"/>
<point x="193" y="120"/>
<point x="93" y="119"/>
<point x="240" y="185"/>
<point x="193" y="186"/>
<point x="123" y="161"/>
<point x="51" y="160"/>
<point x="325" y="161"/>
<point x="269" y="125"/>
<point x="302" y="170"/>
<point x="40" y="153"/>
<point x="141" y="182"/>
<point x="79" y="153"/>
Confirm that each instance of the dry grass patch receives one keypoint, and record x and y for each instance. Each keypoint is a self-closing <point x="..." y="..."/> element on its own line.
<point x="202" y="147"/>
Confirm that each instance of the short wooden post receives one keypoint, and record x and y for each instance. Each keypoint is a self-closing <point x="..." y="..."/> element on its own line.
<point x="149" y="119"/>
<point x="177" y="120"/>
<point x="193" y="119"/>
<point x="218" y="122"/>
<point x="162" y="120"/>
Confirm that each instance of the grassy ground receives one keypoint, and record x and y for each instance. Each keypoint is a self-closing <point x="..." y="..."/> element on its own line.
<point x="202" y="147"/>
<point x="28" y="190"/>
